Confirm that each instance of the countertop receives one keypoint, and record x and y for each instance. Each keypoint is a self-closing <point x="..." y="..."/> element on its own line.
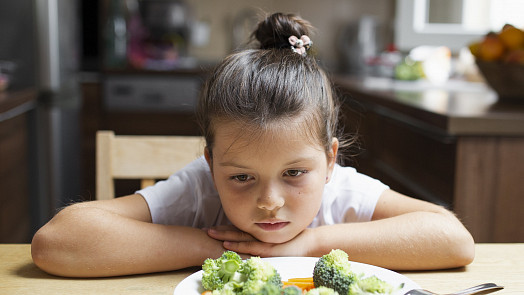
<point x="13" y="103"/>
<point x="502" y="264"/>
<point x="456" y="107"/>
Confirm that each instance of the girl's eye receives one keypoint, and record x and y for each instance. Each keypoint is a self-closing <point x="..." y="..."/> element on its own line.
<point x="294" y="172"/>
<point x="241" y="177"/>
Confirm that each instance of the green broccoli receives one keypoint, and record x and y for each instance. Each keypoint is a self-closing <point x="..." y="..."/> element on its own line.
<point x="372" y="285"/>
<point x="229" y="275"/>
<point x="259" y="273"/>
<point x="227" y="290"/>
<point x="269" y="289"/>
<point x="322" y="291"/>
<point x="333" y="271"/>
<point x="223" y="270"/>
<point x="292" y="290"/>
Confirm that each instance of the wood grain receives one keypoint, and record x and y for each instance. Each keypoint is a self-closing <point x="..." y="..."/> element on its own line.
<point x="502" y="264"/>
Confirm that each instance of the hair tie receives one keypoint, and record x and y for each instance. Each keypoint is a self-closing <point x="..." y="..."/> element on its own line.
<point x="300" y="46"/>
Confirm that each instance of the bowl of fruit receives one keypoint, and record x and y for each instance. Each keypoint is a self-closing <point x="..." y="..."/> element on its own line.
<point x="500" y="58"/>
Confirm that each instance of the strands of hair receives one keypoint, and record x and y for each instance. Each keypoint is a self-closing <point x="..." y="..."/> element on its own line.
<point x="271" y="85"/>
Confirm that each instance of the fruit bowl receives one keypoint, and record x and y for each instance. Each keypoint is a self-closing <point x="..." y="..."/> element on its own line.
<point x="506" y="79"/>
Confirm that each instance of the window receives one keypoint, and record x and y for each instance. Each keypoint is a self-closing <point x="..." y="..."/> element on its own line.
<point x="452" y="23"/>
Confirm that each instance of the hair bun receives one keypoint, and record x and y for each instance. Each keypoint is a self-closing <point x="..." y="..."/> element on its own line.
<point x="274" y="30"/>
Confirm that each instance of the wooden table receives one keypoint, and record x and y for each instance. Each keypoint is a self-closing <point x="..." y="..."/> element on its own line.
<point x="498" y="263"/>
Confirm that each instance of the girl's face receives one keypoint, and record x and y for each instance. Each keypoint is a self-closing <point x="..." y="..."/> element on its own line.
<point x="270" y="186"/>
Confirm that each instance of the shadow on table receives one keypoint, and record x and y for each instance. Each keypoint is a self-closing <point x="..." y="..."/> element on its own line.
<point x="449" y="270"/>
<point x="31" y="271"/>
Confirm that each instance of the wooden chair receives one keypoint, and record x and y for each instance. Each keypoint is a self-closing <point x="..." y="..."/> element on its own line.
<point x="147" y="158"/>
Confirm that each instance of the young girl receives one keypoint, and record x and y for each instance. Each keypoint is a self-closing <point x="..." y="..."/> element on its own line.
<point x="268" y="185"/>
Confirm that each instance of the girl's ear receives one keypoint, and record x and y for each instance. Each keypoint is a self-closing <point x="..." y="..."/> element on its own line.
<point x="209" y="159"/>
<point x="332" y="158"/>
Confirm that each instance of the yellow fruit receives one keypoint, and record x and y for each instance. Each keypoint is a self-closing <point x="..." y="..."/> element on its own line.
<point x="512" y="37"/>
<point x="474" y="48"/>
<point x="491" y="48"/>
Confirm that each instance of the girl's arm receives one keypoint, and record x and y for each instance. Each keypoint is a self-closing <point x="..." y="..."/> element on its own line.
<point x="116" y="237"/>
<point x="405" y="234"/>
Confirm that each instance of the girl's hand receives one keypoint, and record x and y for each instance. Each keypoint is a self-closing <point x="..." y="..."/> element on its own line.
<point x="242" y="242"/>
<point x="229" y="233"/>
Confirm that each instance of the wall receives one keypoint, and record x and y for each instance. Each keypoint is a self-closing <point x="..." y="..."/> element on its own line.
<point x="328" y="16"/>
<point x="17" y="41"/>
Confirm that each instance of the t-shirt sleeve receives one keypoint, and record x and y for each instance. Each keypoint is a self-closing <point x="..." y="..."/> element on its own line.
<point x="186" y="198"/>
<point x="349" y="195"/>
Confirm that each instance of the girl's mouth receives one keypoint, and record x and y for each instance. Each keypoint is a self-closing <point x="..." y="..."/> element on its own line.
<point x="272" y="226"/>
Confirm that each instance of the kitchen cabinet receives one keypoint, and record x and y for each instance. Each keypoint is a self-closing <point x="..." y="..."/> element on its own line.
<point x="15" y="165"/>
<point x="455" y="146"/>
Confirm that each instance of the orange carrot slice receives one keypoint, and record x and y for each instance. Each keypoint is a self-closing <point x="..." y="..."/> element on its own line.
<point x="305" y="284"/>
<point x="310" y="279"/>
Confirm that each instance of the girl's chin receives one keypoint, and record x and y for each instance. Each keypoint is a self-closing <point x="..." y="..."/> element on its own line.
<point x="274" y="238"/>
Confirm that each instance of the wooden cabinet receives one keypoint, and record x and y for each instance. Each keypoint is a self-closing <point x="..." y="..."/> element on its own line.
<point x="15" y="163"/>
<point x="408" y="158"/>
<point x="470" y="160"/>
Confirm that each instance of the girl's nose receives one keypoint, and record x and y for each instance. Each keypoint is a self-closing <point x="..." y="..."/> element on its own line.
<point x="270" y="198"/>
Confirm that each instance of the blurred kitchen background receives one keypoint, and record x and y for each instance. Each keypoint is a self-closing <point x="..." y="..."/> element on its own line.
<point x="71" y="67"/>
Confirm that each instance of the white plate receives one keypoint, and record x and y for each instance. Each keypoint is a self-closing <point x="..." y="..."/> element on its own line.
<point x="296" y="267"/>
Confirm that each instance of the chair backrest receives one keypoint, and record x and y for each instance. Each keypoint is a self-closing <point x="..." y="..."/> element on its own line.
<point x="147" y="158"/>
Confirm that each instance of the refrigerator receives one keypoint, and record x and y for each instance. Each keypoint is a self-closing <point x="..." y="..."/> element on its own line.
<point x="41" y="37"/>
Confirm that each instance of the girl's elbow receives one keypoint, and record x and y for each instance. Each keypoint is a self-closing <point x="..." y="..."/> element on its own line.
<point x="41" y="252"/>
<point x="44" y="254"/>
<point x="464" y="250"/>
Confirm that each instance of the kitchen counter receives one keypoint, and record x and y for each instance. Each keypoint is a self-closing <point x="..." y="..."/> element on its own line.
<point x="502" y="264"/>
<point x="456" y="108"/>
<point x="13" y="103"/>
<point x="456" y="145"/>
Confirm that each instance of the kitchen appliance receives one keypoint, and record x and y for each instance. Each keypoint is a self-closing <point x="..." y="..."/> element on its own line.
<point x="41" y="38"/>
<point x="58" y="61"/>
<point x="147" y="34"/>
<point x="151" y="93"/>
<point x="360" y="43"/>
<point x="159" y="75"/>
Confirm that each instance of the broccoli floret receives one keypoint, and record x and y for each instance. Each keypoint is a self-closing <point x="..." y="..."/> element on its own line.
<point x="227" y="290"/>
<point x="322" y="291"/>
<point x="333" y="271"/>
<point x="372" y="285"/>
<point x="226" y="269"/>
<point x="292" y="290"/>
<point x="229" y="275"/>
<point x="259" y="273"/>
<point x="269" y="289"/>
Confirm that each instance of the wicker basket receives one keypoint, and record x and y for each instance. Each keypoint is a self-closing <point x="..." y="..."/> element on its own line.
<point x="506" y="79"/>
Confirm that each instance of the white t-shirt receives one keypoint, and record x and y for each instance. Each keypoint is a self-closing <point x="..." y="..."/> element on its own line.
<point x="189" y="198"/>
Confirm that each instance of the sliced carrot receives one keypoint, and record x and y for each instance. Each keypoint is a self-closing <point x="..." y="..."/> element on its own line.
<point x="305" y="284"/>
<point x="299" y="284"/>
<point x="207" y="292"/>
<point x="310" y="279"/>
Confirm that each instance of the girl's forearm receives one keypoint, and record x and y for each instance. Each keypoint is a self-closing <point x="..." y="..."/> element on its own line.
<point x="417" y="240"/>
<point x="92" y="242"/>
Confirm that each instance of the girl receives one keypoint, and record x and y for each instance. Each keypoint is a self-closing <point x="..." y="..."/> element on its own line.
<point x="268" y="185"/>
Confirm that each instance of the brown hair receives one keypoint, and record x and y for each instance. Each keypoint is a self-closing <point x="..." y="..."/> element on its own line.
<point x="272" y="84"/>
